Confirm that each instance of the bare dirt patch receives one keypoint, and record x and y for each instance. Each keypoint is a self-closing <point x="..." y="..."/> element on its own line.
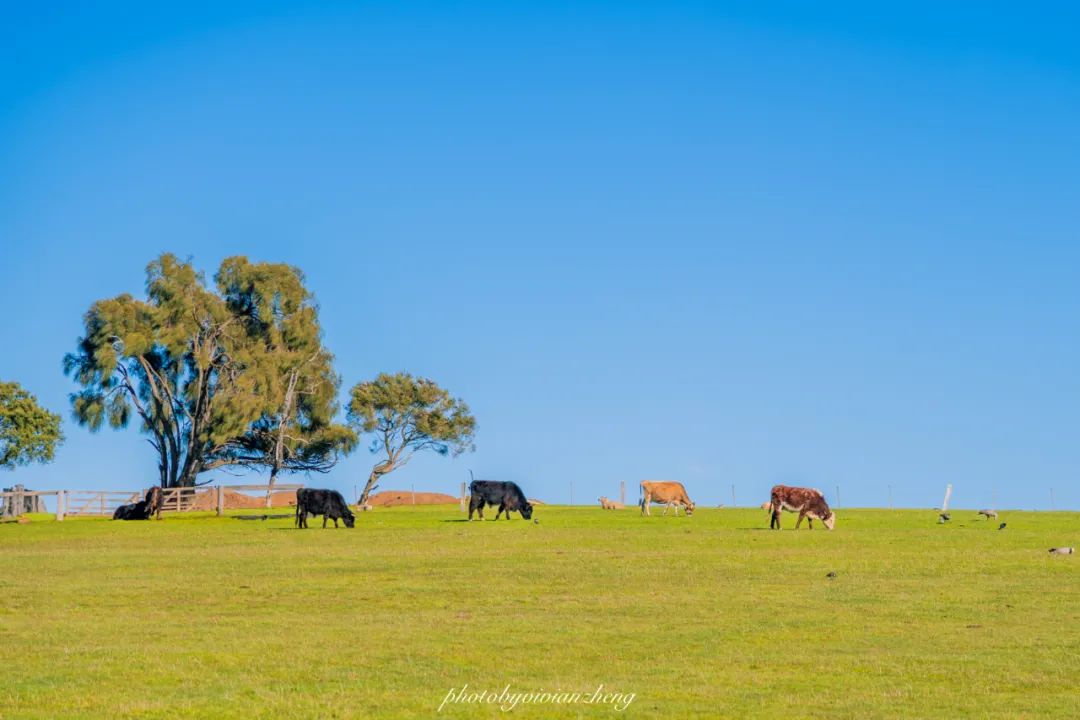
<point x="393" y="498"/>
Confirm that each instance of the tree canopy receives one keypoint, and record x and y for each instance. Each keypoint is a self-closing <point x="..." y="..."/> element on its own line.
<point x="406" y="415"/>
<point x="296" y="378"/>
<point x="206" y="372"/>
<point x="28" y="432"/>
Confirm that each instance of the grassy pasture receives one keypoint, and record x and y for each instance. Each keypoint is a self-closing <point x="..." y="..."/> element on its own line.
<point x="711" y="616"/>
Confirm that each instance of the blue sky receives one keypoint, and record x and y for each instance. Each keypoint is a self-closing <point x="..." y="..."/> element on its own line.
<point x="725" y="243"/>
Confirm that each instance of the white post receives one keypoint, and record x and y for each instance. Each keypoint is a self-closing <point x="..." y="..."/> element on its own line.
<point x="948" y="494"/>
<point x="622" y="491"/>
<point x="220" y="501"/>
<point x="61" y="501"/>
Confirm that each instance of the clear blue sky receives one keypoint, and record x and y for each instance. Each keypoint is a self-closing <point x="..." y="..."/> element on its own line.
<point x="725" y="243"/>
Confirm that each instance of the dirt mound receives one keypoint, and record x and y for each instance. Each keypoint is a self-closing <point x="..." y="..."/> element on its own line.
<point x="393" y="498"/>
<point x="207" y="500"/>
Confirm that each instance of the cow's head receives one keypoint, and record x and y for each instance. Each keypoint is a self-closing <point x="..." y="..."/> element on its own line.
<point x="349" y="518"/>
<point x="526" y="511"/>
<point x="690" y="509"/>
<point x="830" y="520"/>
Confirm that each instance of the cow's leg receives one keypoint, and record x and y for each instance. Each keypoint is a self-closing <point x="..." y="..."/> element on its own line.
<point x="810" y="522"/>
<point x="324" y="521"/>
<point x="774" y="523"/>
<point x="802" y="514"/>
<point x="676" y="509"/>
<point x="335" y="522"/>
<point x="499" y="511"/>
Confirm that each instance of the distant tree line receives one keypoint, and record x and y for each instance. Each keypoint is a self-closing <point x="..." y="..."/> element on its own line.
<point x="231" y="375"/>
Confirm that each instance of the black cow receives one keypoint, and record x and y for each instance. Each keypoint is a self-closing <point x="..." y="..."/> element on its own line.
<point x="327" y="503"/>
<point x="142" y="510"/>
<point x="506" y="495"/>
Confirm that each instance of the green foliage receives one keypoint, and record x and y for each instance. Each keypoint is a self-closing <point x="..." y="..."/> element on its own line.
<point x="406" y="415"/>
<point x="295" y="377"/>
<point x="28" y="432"/>
<point x="203" y="370"/>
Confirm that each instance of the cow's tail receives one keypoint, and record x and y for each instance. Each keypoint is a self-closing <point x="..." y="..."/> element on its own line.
<point x="641" y="497"/>
<point x="298" y="504"/>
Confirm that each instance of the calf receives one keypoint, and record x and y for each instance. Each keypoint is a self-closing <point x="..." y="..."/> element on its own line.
<point x="808" y="502"/>
<point x="610" y="504"/>
<point x="327" y="503"/>
<point x="142" y="510"/>
<point x="668" y="493"/>
<point x="507" y="495"/>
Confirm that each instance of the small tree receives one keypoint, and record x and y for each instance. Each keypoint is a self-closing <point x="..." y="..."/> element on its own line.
<point x="28" y="432"/>
<point x="406" y="415"/>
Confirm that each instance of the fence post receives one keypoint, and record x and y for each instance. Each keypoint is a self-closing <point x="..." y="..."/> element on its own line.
<point x="220" y="501"/>
<point x="61" y="501"/>
<point x="462" y="497"/>
<point x="622" y="491"/>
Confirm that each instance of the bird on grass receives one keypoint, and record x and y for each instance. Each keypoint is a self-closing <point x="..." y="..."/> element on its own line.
<point x="831" y="575"/>
<point x="1001" y="526"/>
<point x="944" y="518"/>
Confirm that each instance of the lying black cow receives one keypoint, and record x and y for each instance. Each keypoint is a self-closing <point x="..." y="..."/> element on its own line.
<point x="506" y="495"/>
<point x="142" y="510"/>
<point x="327" y="503"/>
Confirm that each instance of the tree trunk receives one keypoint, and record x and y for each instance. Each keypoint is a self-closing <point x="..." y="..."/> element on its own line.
<point x="373" y="480"/>
<point x="270" y="487"/>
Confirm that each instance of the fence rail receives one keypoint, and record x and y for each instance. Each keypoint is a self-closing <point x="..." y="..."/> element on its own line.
<point x="185" y="499"/>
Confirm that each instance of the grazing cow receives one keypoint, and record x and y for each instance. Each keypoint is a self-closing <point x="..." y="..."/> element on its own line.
<point x="808" y="502"/>
<point x="327" y="503"/>
<point x="142" y="510"/>
<point x="668" y="493"/>
<point x="507" y="495"/>
<point x="610" y="504"/>
<point x="989" y="514"/>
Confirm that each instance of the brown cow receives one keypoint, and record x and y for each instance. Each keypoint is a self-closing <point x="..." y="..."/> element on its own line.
<point x="808" y="502"/>
<point x="610" y="504"/>
<point x="669" y="493"/>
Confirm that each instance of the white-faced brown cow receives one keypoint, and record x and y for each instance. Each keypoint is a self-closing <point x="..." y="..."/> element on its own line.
<point x="668" y="493"/>
<point x="808" y="502"/>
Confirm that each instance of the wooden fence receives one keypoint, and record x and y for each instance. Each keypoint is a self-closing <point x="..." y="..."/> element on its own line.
<point x="105" y="502"/>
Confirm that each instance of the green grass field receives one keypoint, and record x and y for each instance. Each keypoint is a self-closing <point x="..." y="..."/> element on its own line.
<point x="709" y="616"/>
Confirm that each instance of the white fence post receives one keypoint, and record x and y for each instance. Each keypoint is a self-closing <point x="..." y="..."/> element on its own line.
<point x="61" y="502"/>
<point x="220" y="501"/>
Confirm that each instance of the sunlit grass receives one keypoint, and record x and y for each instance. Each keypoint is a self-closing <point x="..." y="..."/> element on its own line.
<point x="707" y="616"/>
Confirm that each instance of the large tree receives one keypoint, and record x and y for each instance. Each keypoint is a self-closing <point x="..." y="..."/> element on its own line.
<point x="188" y="362"/>
<point x="406" y="415"/>
<point x="296" y="379"/>
<point x="28" y="432"/>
